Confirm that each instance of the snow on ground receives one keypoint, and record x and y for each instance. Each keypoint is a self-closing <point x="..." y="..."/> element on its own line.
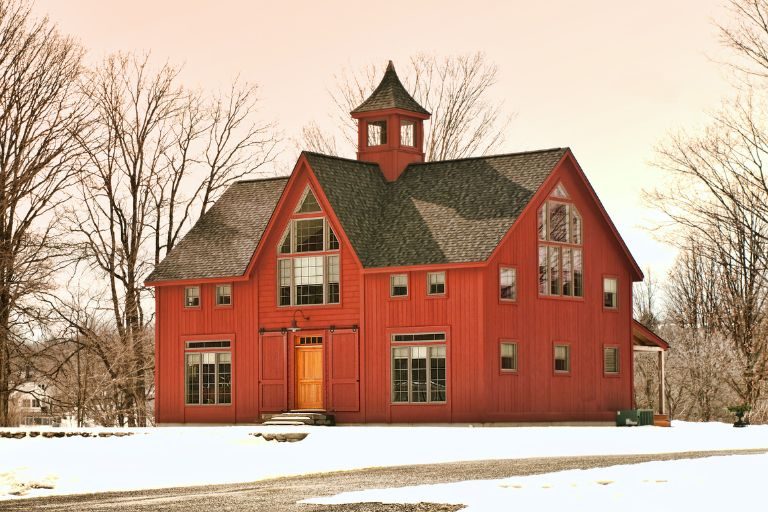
<point x="717" y="483"/>
<point x="181" y="456"/>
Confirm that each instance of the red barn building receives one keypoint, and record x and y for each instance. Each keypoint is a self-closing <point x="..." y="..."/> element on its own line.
<point x="387" y="289"/>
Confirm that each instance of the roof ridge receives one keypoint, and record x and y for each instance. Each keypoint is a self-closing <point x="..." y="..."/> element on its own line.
<point x="333" y="157"/>
<point x="500" y="155"/>
<point x="270" y="178"/>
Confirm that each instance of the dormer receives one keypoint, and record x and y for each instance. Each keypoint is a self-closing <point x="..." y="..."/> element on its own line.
<point x="390" y="127"/>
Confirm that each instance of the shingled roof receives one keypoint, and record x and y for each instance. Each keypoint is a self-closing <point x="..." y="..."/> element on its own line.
<point x="390" y="94"/>
<point x="454" y="211"/>
<point x="223" y="241"/>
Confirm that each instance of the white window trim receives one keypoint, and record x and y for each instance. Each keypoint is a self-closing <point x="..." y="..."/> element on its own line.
<point x="502" y="268"/>
<point x="615" y="293"/>
<point x="186" y="297"/>
<point x="445" y="284"/>
<point x="219" y="295"/>
<point x="410" y="401"/>
<point x="201" y="352"/>
<point x="392" y="286"/>
<point x="501" y="356"/>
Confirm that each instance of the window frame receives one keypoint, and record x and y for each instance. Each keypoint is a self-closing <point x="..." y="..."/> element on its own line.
<point x="442" y="294"/>
<point x="231" y="296"/>
<point x="307" y="190"/>
<point x="210" y="350"/>
<point x="570" y="245"/>
<point x="615" y="307"/>
<point x="569" y="358"/>
<point x="199" y="297"/>
<point x="502" y="268"/>
<point x="392" y="286"/>
<point x="428" y="345"/>
<point x="292" y="256"/>
<point x="509" y="371"/>
<point x="411" y="122"/>
<point x="381" y="144"/>
<point x="617" y="373"/>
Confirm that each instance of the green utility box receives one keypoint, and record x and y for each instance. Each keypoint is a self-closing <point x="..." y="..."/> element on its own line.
<point x="627" y="418"/>
<point x="645" y="416"/>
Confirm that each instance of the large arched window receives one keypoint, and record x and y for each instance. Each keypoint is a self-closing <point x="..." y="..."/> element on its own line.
<point x="308" y="269"/>
<point x="561" y="265"/>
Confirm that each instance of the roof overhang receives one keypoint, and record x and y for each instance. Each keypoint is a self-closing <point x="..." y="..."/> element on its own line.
<point x="643" y="339"/>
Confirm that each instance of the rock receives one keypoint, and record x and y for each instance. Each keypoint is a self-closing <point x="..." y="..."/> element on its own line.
<point x="34" y="434"/>
<point x="19" y="435"/>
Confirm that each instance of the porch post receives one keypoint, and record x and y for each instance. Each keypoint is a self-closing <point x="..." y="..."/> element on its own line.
<point x="662" y="382"/>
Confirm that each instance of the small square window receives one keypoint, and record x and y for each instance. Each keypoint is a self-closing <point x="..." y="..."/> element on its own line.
<point x="436" y="283"/>
<point x="508" y="283"/>
<point x="562" y="358"/>
<point x="509" y="356"/>
<point x="398" y="285"/>
<point x="377" y="133"/>
<point x="611" y="360"/>
<point x="610" y="287"/>
<point x="192" y="297"/>
<point x="407" y="133"/>
<point x="224" y="295"/>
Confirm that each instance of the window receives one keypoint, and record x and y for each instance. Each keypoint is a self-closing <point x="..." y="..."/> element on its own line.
<point x="407" y="133"/>
<point x="611" y="360"/>
<point x="207" y="344"/>
<point x="508" y="352"/>
<point x="561" y="271"/>
<point x="398" y="285"/>
<point x="304" y="279"/>
<point x="507" y="283"/>
<point x="562" y="358"/>
<point x="418" y="337"/>
<point x="309" y="203"/>
<point x="610" y="289"/>
<point x="192" y="297"/>
<point x="418" y="374"/>
<point x="209" y="378"/>
<point x="435" y="283"/>
<point x="224" y="295"/>
<point x="377" y="133"/>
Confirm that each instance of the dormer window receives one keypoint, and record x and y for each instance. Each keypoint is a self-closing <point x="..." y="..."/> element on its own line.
<point x="561" y="269"/>
<point x="407" y="133"/>
<point x="308" y="267"/>
<point x="308" y="203"/>
<point x="377" y="133"/>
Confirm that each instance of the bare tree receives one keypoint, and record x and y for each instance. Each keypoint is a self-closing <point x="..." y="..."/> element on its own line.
<point x="456" y="90"/>
<point x="41" y="116"/>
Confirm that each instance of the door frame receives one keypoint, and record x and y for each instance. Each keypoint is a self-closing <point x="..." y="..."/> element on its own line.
<point x="294" y="363"/>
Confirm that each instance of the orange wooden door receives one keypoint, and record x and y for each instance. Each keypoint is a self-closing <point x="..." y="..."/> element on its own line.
<point x="309" y="377"/>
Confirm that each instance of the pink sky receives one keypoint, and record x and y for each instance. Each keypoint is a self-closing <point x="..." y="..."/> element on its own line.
<point x="608" y="79"/>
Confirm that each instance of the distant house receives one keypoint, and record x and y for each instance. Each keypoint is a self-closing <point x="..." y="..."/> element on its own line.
<point x="32" y="404"/>
<point x="387" y="289"/>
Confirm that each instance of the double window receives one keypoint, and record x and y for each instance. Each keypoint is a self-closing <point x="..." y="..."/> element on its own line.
<point x="305" y="278"/>
<point x="208" y="374"/>
<point x="418" y="371"/>
<point x="561" y="268"/>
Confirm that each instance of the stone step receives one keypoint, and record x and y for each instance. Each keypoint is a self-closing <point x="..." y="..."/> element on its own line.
<point x="311" y="417"/>
<point x="303" y="419"/>
<point x="285" y="423"/>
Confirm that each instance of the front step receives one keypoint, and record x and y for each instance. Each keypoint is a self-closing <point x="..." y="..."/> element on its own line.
<point x="661" y="420"/>
<point x="301" y="418"/>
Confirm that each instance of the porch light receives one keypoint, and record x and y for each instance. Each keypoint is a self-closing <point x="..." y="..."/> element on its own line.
<point x="294" y="324"/>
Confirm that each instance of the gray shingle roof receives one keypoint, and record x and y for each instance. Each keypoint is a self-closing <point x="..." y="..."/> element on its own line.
<point x="390" y="93"/>
<point x="454" y="211"/>
<point x="223" y="241"/>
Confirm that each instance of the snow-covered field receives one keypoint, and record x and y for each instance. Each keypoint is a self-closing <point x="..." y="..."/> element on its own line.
<point x="181" y="456"/>
<point x="717" y="483"/>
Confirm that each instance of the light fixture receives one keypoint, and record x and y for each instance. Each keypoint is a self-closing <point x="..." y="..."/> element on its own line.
<point x="332" y="329"/>
<point x="294" y="324"/>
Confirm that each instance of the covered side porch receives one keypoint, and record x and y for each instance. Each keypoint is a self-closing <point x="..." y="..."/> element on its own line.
<point x="645" y="341"/>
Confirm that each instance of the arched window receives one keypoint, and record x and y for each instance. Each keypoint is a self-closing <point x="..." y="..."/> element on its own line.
<point x="308" y="269"/>
<point x="561" y="265"/>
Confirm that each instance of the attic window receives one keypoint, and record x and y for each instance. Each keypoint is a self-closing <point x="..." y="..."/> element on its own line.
<point x="377" y="133"/>
<point x="309" y="204"/>
<point x="559" y="191"/>
<point x="407" y="133"/>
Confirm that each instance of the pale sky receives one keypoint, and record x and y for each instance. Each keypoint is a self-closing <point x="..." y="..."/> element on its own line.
<point x="609" y="79"/>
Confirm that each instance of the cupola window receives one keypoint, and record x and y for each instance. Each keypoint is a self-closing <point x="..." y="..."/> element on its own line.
<point x="407" y="133"/>
<point x="377" y="133"/>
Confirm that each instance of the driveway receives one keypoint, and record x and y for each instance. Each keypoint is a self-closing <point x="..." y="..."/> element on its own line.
<point x="281" y="494"/>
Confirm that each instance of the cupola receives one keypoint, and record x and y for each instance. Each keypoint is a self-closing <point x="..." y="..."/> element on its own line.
<point x="390" y="127"/>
